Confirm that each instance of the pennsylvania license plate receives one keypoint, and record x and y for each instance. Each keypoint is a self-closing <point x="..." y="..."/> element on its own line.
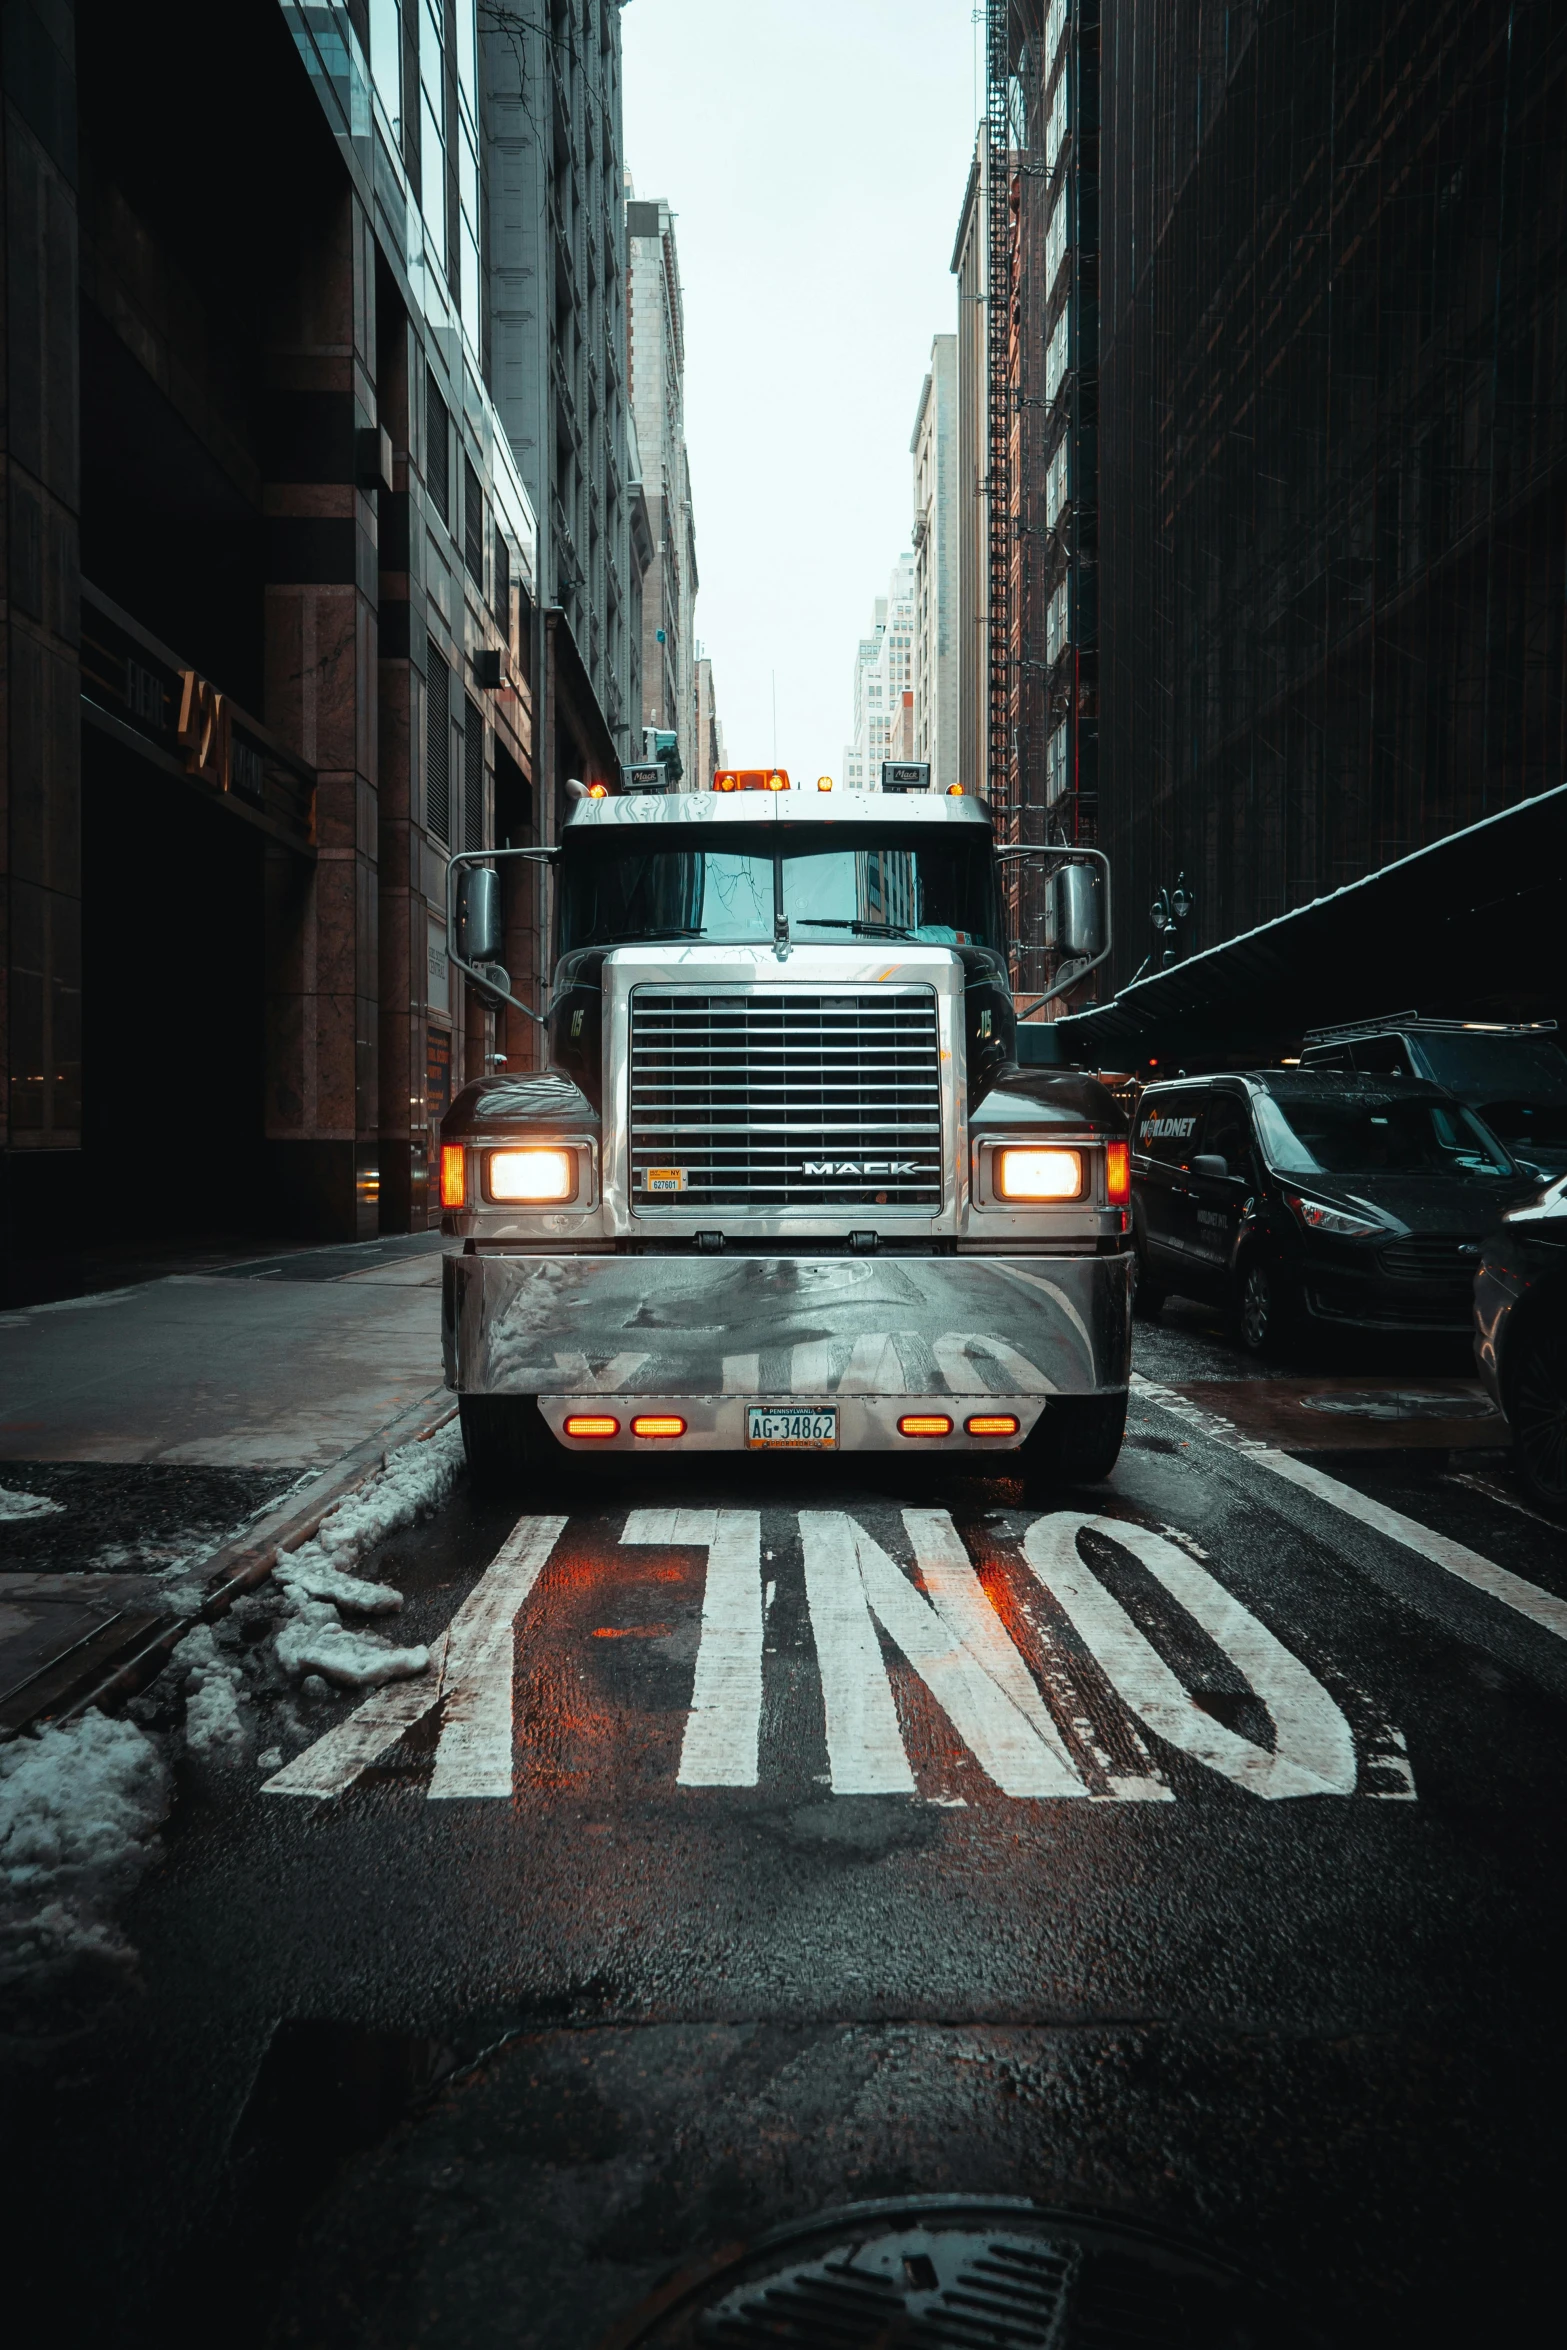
<point x="808" y="1431"/>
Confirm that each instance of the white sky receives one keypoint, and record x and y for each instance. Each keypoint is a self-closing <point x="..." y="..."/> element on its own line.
<point x="816" y="153"/>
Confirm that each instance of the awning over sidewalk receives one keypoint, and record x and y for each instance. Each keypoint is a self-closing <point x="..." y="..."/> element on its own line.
<point x="1469" y="928"/>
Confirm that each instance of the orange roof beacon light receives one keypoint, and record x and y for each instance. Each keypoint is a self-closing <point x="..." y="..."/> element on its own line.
<point x="598" y="791"/>
<point x="954" y="791"/>
<point x="454" y="1175"/>
<point x="751" y="779"/>
<point x="724" y="782"/>
<point x="591" y="1424"/>
<point x="924" y="1424"/>
<point x="824" y="783"/>
<point x="658" y="1424"/>
<point x="778" y="782"/>
<point x="991" y="1424"/>
<point x="1118" y="1173"/>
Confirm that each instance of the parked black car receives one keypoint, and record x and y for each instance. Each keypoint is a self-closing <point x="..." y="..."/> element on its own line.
<point x="1513" y="1075"/>
<point x="1294" y="1196"/>
<point x="1520" y="1322"/>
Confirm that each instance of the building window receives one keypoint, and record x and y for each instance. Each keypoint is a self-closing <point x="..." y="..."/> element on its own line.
<point x="472" y="774"/>
<point x="1057" y="353"/>
<point x="472" y="524"/>
<point x="386" y="60"/>
<point x="432" y="131"/>
<point x="1058" y="482"/>
<point x="1056" y="624"/>
<point x="437" y="747"/>
<point x="437" y="448"/>
<point x="503" y="585"/>
<point x="1055" y="765"/>
<point x="1055" y="126"/>
<point x="1056" y="235"/>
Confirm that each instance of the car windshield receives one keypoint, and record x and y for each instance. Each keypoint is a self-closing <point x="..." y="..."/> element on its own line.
<point x="940" y="891"/>
<point x="1376" y="1134"/>
<point x="1480" y="1068"/>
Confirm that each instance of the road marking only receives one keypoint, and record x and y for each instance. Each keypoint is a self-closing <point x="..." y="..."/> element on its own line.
<point x="950" y="1633"/>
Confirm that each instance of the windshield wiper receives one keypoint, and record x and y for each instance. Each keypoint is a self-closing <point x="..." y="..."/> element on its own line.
<point x="866" y="929"/>
<point x="658" y="930"/>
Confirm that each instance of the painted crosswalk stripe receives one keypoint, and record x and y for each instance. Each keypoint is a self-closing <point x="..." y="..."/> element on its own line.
<point x="848" y="1579"/>
<point x="1314" y="1753"/>
<point x="471" y="1670"/>
<point x="474" y="1756"/>
<point x="1524" y="1598"/>
<point x="723" y="1732"/>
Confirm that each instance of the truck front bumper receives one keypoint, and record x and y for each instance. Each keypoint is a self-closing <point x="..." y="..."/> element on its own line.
<point x="880" y="1337"/>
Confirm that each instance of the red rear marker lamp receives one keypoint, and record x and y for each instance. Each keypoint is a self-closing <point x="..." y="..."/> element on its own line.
<point x="1039" y="1174"/>
<point x="454" y="1175"/>
<point x="591" y="1424"/>
<point x="1118" y="1173"/>
<point x="924" y="1424"/>
<point x="991" y="1424"/>
<point x="530" y="1175"/>
<point x="658" y="1424"/>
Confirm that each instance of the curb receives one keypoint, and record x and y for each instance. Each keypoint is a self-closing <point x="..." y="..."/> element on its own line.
<point x="66" y="1689"/>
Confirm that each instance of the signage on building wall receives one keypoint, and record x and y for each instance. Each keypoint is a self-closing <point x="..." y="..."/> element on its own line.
<point x="437" y="1074"/>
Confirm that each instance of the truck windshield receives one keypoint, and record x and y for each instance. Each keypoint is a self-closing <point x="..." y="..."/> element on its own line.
<point x="613" y="891"/>
<point x="1517" y="1083"/>
<point x="1370" y="1136"/>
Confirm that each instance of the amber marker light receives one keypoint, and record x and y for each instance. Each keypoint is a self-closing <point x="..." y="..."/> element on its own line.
<point x="1037" y="1174"/>
<point x="954" y="791"/>
<point x="1118" y="1173"/>
<point x="824" y="783"/>
<point x="778" y="782"/>
<point x="591" y="1424"/>
<point x="658" y="1424"/>
<point x="924" y="1424"/>
<point x="454" y="1175"/>
<point x="598" y="791"/>
<point x="991" y="1424"/>
<point x="532" y="1175"/>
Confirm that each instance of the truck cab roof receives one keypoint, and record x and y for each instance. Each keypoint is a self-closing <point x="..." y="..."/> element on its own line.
<point x="891" y="812"/>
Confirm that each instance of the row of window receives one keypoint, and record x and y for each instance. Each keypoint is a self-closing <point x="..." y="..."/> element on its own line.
<point x="457" y="822"/>
<point x="477" y="518"/>
<point x="408" y="64"/>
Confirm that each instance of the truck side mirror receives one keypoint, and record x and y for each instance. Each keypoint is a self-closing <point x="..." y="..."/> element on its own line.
<point x="479" y="932"/>
<point x="1210" y="1163"/>
<point x="1077" y="905"/>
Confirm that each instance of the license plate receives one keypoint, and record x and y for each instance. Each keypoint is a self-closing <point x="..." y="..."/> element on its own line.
<point x="808" y="1431"/>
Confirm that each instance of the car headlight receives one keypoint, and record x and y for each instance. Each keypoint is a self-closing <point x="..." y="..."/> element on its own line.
<point x="1039" y="1174"/>
<point x="1318" y="1218"/>
<point x="533" y="1176"/>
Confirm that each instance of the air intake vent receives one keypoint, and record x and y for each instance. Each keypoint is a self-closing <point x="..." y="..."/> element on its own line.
<point x="783" y="1098"/>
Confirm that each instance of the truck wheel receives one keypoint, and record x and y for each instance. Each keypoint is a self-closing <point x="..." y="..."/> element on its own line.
<point x="501" y="1435"/>
<point x="1076" y="1442"/>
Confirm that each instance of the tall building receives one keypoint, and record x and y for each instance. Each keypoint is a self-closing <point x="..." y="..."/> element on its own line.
<point x="268" y="581"/>
<point x="555" y="353"/>
<point x="1334" y="463"/>
<point x="709" y="731"/>
<point x="934" y="449"/>
<point x="970" y="266"/>
<point x="657" y="361"/>
<point x="883" y="675"/>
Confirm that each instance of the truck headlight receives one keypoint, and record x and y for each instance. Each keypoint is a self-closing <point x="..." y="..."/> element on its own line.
<point x="1039" y="1174"/>
<point x="534" y="1176"/>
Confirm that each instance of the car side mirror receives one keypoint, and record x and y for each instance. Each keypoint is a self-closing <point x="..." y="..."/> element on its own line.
<point x="1210" y="1163"/>
<point x="479" y="933"/>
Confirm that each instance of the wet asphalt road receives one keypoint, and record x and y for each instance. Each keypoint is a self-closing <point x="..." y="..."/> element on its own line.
<point x="414" y="2068"/>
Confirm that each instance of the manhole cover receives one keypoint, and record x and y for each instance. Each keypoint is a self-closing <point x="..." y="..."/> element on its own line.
<point x="1381" y="1403"/>
<point x="937" y="2275"/>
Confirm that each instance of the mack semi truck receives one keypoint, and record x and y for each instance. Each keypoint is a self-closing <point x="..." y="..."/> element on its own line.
<point x="781" y="1183"/>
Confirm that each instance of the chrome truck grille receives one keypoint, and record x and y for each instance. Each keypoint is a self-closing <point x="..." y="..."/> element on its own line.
<point x="778" y="1098"/>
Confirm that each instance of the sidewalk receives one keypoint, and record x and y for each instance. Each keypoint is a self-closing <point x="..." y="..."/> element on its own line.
<point x="143" y="1429"/>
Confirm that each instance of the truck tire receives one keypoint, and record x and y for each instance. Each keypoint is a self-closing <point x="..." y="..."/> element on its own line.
<point x="1536" y="1400"/>
<point x="1077" y="1442"/>
<point x="504" y="1438"/>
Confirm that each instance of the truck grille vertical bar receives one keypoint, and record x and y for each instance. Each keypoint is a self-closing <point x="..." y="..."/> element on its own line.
<point x="782" y="1098"/>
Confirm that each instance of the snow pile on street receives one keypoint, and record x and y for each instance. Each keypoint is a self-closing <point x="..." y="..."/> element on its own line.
<point x="315" y="1642"/>
<point x="16" y="1505"/>
<point x="214" y="1725"/>
<point x="78" y="1804"/>
<point x="316" y="1577"/>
